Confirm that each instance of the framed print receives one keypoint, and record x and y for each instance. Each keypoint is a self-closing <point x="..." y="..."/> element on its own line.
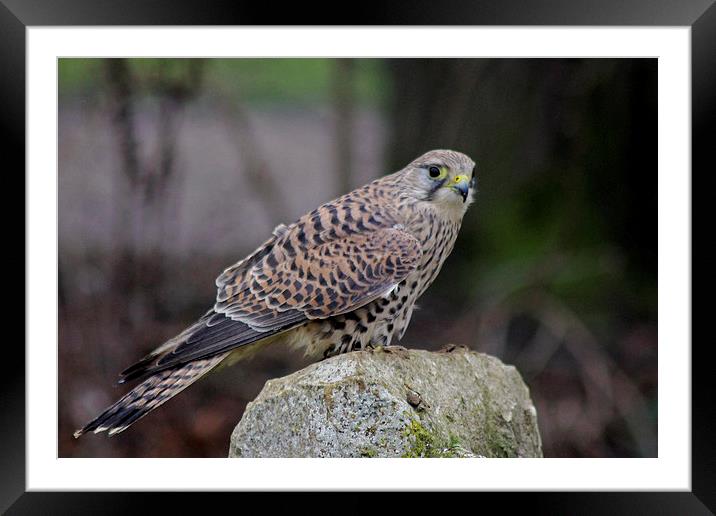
<point x="162" y="145"/>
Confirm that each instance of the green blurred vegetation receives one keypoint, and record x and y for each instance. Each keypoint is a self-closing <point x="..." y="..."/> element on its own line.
<point x="259" y="81"/>
<point x="556" y="264"/>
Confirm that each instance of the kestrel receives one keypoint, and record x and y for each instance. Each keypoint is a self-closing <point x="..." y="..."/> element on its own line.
<point x="343" y="277"/>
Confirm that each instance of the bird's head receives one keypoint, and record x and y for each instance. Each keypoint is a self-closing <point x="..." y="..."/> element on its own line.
<point x="443" y="178"/>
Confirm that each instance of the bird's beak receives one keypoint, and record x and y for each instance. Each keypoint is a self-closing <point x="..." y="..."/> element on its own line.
<point x="461" y="184"/>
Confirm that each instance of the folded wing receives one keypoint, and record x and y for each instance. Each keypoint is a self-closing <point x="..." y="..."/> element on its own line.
<point x="291" y="279"/>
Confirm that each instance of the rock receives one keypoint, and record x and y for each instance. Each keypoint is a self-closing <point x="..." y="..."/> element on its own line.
<point x="386" y="404"/>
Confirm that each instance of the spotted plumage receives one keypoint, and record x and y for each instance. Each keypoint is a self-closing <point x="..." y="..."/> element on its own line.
<point x="342" y="277"/>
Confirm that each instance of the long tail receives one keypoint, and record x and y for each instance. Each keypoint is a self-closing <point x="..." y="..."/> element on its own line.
<point x="178" y="363"/>
<point x="148" y="395"/>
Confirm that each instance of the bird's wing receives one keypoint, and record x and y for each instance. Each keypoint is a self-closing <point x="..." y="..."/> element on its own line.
<point x="295" y="279"/>
<point x="272" y="290"/>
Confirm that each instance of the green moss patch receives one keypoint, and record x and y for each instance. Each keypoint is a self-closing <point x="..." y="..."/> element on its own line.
<point x="424" y="443"/>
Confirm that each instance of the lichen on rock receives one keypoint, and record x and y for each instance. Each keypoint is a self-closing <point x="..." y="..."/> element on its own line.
<point x="379" y="404"/>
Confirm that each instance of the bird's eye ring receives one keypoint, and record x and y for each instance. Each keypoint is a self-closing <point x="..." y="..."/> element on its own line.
<point x="434" y="172"/>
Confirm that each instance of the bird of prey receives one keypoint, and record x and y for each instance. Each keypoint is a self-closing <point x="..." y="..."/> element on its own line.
<point x="341" y="278"/>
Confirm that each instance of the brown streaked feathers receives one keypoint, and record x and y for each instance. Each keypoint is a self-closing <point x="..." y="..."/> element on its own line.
<point x="343" y="276"/>
<point x="149" y="395"/>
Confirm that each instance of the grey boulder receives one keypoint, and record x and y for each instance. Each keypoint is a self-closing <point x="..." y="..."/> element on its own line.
<point x="388" y="403"/>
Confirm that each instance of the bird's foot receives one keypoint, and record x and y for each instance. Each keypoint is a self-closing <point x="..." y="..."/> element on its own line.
<point x="453" y="347"/>
<point x="397" y="350"/>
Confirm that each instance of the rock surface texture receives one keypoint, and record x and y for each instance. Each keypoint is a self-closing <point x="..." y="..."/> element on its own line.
<point x="382" y="403"/>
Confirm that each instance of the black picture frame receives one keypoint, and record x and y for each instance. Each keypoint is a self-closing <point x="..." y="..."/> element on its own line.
<point x="17" y="15"/>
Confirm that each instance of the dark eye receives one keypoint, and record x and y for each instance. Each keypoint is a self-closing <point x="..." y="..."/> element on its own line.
<point x="434" y="171"/>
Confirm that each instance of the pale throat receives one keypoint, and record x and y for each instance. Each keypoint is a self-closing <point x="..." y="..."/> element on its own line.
<point x="425" y="219"/>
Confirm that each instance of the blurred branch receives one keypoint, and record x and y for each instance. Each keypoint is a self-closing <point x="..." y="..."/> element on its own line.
<point x="174" y="92"/>
<point x="432" y="103"/>
<point x="458" y="92"/>
<point x="259" y="177"/>
<point x="599" y="369"/>
<point x="607" y="389"/>
<point x="120" y="86"/>
<point x="343" y="102"/>
<point x="141" y="210"/>
<point x="559" y="327"/>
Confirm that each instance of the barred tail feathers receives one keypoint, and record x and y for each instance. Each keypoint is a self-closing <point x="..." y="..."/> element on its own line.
<point x="150" y="394"/>
<point x="178" y="363"/>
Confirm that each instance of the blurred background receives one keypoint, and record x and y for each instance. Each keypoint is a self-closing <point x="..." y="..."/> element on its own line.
<point x="171" y="170"/>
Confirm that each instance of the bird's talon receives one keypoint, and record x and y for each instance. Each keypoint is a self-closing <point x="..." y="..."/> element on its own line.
<point x="398" y="350"/>
<point x="453" y="347"/>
